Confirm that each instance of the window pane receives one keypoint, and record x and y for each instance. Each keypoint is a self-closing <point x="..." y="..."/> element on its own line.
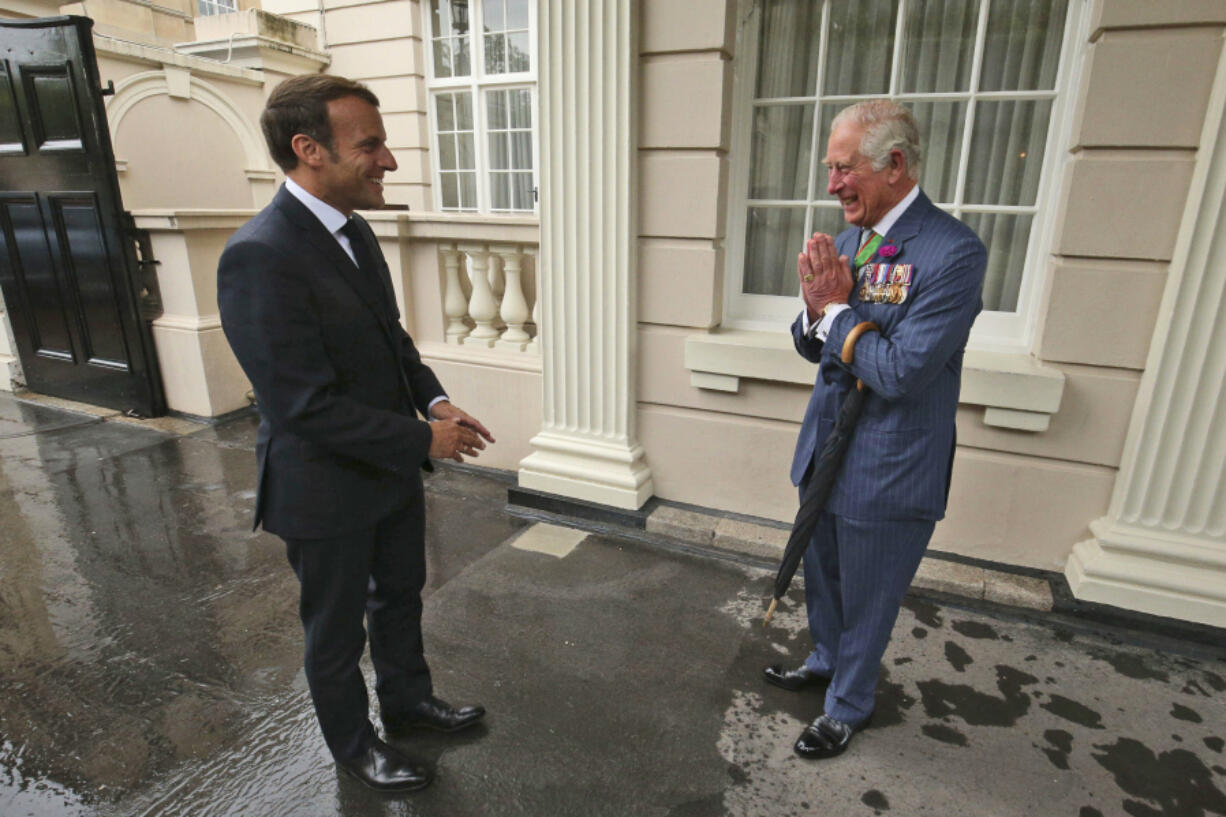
<point x="521" y="151"/>
<point x="495" y="53"/>
<point x="828" y="220"/>
<point x="517" y="13"/>
<point x="451" y="195"/>
<point x="466" y="158"/>
<point x="463" y="65"/>
<point x="1007" y="152"/>
<point x="773" y="237"/>
<point x="782" y="135"/>
<point x="468" y="191"/>
<point x="1006" y="236"/>
<point x="522" y="191"/>
<point x="440" y="16"/>
<point x="495" y="16"/>
<point x="941" y="127"/>
<point x="445" y="108"/>
<point x="442" y="58"/>
<point x="459" y="16"/>
<point x="787" y="51"/>
<point x="518" y="54"/>
<point x="496" y="106"/>
<point x="499" y="155"/>
<point x="464" y="111"/>
<point x="446" y="152"/>
<point x="860" y="46"/>
<point x="1022" y="50"/>
<point x="520" y="102"/>
<point x="939" y="45"/>
<point x="500" y="191"/>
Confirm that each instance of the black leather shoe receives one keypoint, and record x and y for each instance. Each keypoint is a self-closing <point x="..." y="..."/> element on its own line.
<point x="825" y="737"/>
<point x="383" y="768"/>
<point x="793" y="679"/>
<point x="436" y="714"/>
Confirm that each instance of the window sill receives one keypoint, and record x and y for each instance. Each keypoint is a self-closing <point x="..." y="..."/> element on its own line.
<point x="1016" y="391"/>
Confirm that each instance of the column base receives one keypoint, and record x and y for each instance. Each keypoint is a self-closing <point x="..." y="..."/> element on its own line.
<point x="608" y="473"/>
<point x="1153" y="571"/>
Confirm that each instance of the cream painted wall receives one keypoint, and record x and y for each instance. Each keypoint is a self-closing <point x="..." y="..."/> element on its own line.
<point x="179" y="154"/>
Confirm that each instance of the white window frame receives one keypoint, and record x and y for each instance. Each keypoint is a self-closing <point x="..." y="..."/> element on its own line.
<point x="477" y="83"/>
<point x="993" y="331"/>
<point x="208" y="8"/>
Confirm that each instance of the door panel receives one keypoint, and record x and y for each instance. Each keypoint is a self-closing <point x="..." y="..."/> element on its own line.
<point x="68" y="262"/>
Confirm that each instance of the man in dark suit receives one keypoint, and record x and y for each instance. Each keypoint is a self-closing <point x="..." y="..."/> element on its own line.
<point x="917" y="273"/>
<point x="307" y="305"/>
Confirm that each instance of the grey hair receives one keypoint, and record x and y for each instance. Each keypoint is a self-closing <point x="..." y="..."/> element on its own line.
<point x="887" y="126"/>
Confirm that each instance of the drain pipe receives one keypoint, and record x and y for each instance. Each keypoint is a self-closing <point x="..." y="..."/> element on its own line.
<point x="323" y="28"/>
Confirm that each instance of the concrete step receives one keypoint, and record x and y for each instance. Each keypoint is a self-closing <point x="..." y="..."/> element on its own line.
<point x="764" y="540"/>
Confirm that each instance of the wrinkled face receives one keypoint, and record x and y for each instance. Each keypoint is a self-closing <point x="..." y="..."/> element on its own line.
<point x="351" y="177"/>
<point x="866" y="194"/>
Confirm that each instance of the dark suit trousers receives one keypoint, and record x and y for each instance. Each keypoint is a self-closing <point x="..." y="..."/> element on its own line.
<point x="377" y="573"/>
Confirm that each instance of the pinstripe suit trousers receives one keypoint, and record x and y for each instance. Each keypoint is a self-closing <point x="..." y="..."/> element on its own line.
<point x="856" y="574"/>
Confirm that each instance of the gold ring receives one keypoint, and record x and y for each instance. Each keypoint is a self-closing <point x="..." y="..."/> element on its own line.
<point x="808" y="279"/>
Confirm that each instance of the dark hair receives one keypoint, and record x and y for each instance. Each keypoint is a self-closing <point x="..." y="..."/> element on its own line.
<point x="300" y="105"/>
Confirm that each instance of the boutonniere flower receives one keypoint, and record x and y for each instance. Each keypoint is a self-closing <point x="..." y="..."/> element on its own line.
<point x="888" y="251"/>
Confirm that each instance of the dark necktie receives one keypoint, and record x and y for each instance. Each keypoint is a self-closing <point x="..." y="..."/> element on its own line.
<point x="361" y="253"/>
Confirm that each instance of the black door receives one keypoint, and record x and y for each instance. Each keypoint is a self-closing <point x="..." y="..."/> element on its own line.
<point x="67" y="256"/>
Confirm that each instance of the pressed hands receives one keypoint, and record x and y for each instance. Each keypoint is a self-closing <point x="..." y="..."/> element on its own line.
<point x="825" y="276"/>
<point x="457" y="434"/>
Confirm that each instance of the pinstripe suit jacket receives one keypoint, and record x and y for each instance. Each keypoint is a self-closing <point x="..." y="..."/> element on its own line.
<point x="898" y="463"/>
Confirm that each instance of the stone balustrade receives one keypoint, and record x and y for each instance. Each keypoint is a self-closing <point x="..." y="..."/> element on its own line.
<point x="485" y="295"/>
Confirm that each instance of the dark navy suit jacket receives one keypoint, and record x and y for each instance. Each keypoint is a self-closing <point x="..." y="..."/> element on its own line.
<point x="337" y="379"/>
<point x="898" y="463"/>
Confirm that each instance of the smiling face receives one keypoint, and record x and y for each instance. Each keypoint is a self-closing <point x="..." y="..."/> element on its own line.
<point x="350" y="176"/>
<point x="866" y="194"/>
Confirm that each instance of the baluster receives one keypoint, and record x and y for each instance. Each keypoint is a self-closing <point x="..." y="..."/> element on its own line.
<point x="514" y="310"/>
<point x="534" y="345"/>
<point x="455" y="305"/>
<point x="481" y="307"/>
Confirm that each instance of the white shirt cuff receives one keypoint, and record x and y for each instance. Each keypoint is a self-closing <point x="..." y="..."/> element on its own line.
<point x="438" y="399"/>
<point x="823" y="326"/>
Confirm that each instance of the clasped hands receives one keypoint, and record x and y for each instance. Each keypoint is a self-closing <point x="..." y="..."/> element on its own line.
<point x="457" y="434"/>
<point x="825" y="276"/>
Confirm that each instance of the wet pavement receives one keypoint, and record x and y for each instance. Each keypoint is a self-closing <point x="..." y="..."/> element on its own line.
<point x="150" y="665"/>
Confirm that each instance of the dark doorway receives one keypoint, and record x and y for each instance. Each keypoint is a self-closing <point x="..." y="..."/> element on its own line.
<point x="68" y="260"/>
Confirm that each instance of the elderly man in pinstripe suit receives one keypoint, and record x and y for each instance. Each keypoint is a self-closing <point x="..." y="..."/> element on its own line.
<point x="917" y="273"/>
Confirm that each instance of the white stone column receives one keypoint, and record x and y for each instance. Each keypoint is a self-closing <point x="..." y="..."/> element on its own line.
<point x="1161" y="548"/>
<point x="586" y="448"/>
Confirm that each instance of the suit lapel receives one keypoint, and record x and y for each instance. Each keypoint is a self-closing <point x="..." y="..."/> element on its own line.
<point x="909" y="223"/>
<point x="325" y="243"/>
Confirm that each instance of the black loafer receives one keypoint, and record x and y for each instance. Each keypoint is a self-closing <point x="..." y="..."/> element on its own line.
<point x="436" y="714"/>
<point x="825" y="737"/>
<point x="793" y="679"/>
<point x="383" y="768"/>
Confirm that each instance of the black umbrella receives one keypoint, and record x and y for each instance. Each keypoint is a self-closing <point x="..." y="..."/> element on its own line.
<point x="827" y="467"/>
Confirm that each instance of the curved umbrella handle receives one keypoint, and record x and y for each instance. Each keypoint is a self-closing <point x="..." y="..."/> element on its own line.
<point x="849" y="344"/>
